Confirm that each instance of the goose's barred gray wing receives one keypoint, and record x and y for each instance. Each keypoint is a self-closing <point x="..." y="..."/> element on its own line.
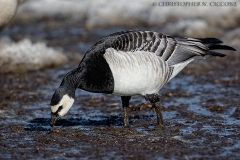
<point x="173" y="50"/>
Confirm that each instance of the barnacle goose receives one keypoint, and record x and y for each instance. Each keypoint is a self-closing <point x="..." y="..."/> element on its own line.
<point x="130" y="63"/>
<point x="7" y="11"/>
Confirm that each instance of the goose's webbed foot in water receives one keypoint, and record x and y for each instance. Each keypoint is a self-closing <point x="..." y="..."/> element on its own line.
<point x="154" y="99"/>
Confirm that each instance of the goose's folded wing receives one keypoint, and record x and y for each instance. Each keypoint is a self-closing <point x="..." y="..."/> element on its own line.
<point x="173" y="50"/>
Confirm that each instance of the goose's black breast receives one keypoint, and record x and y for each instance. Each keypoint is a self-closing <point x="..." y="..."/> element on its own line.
<point x="96" y="74"/>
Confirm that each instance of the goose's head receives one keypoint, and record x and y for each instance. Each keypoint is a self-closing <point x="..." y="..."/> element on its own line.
<point x="60" y="104"/>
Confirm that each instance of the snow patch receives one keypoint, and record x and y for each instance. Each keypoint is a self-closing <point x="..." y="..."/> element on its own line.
<point x="25" y="56"/>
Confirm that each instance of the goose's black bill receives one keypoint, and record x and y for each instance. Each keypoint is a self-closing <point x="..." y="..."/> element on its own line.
<point x="53" y="119"/>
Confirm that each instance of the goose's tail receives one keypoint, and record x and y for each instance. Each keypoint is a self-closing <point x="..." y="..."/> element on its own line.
<point x="205" y="47"/>
<point x="215" y="44"/>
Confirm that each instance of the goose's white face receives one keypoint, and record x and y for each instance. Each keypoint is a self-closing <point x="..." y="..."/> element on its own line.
<point x="60" y="109"/>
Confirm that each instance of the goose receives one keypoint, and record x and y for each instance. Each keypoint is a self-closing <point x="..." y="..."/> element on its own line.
<point x="7" y="11"/>
<point x="131" y="63"/>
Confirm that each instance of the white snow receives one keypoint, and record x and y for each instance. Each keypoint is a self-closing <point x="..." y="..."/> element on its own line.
<point x="26" y="56"/>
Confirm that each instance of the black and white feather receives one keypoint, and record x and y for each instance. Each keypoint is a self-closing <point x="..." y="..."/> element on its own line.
<point x="135" y="62"/>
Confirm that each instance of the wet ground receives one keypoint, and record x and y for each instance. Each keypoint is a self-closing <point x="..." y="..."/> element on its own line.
<point x="201" y="110"/>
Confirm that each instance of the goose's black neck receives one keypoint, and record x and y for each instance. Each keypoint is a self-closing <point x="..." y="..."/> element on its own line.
<point x="93" y="73"/>
<point x="69" y="83"/>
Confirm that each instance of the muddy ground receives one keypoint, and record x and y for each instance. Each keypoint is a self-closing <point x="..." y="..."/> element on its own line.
<point x="201" y="109"/>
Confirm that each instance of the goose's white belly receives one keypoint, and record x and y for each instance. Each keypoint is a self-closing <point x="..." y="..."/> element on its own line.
<point x="137" y="72"/>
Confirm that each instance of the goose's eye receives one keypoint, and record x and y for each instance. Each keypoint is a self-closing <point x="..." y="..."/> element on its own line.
<point x="59" y="109"/>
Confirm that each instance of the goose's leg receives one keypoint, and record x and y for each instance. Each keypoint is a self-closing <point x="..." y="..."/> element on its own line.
<point x="155" y="100"/>
<point x="125" y="105"/>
